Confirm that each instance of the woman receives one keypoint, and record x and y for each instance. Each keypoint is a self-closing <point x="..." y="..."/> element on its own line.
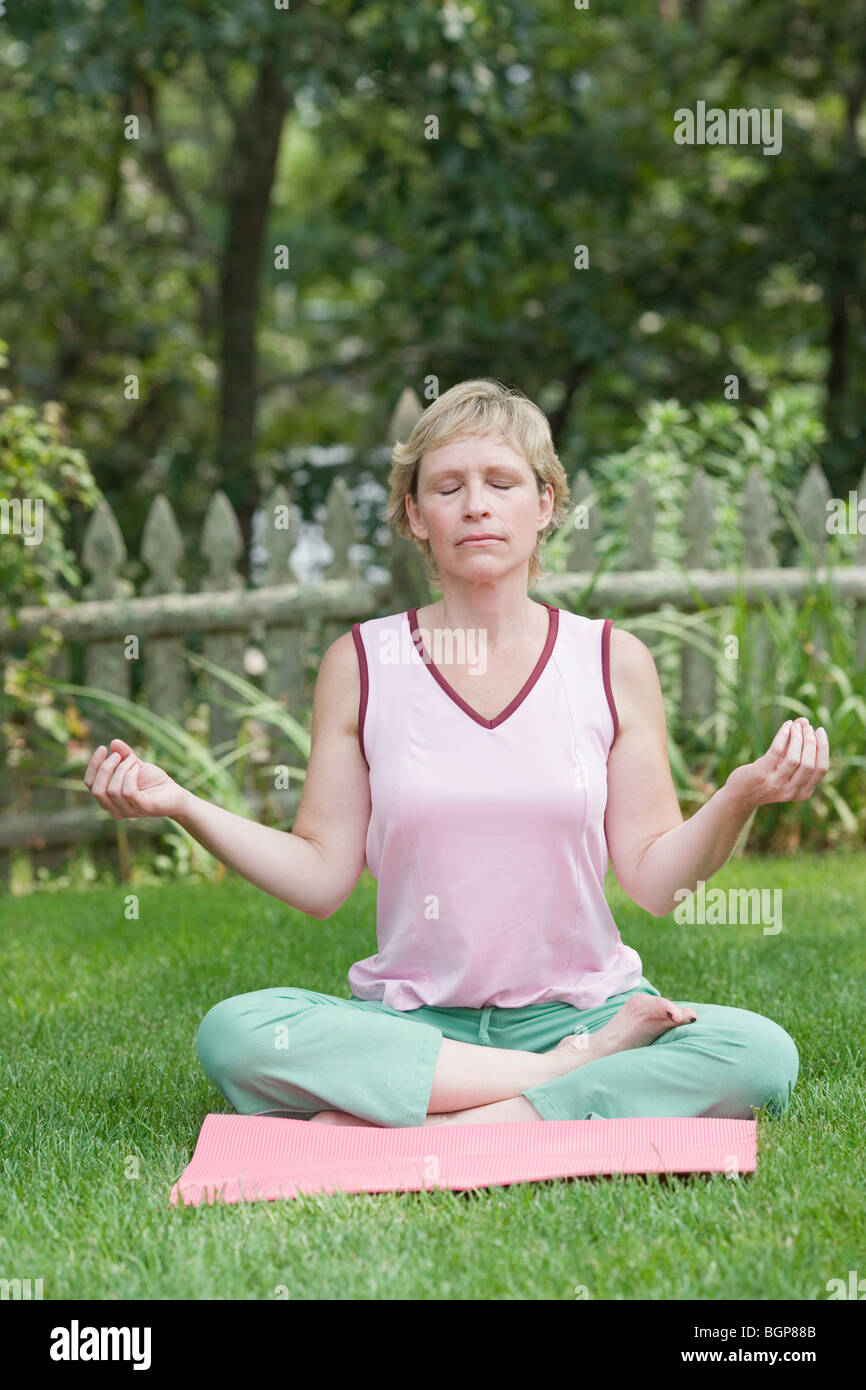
<point x="484" y="755"/>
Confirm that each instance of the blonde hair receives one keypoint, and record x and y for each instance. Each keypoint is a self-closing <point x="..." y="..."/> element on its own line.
<point x="481" y="406"/>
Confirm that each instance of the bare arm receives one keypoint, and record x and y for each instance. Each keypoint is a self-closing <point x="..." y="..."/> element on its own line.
<point x="315" y="866"/>
<point x="657" y="856"/>
<point x="334" y="813"/>
<point x="654" y="851"/>
<point x="280" y="863"/>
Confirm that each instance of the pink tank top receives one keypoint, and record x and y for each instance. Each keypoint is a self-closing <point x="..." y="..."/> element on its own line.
<point x="486" y="836"/>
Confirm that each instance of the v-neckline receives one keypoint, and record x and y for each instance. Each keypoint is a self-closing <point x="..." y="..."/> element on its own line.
<point x="552" y="629"/>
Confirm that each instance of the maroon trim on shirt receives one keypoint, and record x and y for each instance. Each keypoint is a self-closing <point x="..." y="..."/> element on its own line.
<point x="605" y="672"/>
<point x="552" y="629"/>
<point x="365" y="686"/>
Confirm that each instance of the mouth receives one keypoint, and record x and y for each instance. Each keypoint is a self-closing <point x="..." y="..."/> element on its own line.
<point x="482" y="540"/>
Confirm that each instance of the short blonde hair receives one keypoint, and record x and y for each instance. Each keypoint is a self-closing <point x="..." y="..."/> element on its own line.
<point x="481" y="406"/>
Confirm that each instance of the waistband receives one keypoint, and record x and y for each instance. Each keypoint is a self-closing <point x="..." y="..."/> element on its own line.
<point x="528" y="1010"/>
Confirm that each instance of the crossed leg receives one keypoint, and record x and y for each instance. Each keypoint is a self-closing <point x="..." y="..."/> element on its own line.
<point x="466" y="1073"/>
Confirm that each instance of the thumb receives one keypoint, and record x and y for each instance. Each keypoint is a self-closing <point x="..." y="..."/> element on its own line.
<point x="117" y="745"/>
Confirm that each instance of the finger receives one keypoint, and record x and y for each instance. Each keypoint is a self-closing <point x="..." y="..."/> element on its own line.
<point x="118" y="746"/>
<point x="100" y="783"/>
<point x="791" y="759"/>
<point x="121" y="771"/>
<point x="807" y="754"/>
<point x="822" y="761"/>
<point x="810" y="747"/>
<point x="131" y="794"/>
<point x="776" y="750"/>
<point x="130" y="785"/>
<point x="92" y="767"/>
<point x="115" y="787"/>
<point x="785" y="761"/>
<point x="133" y="791"/>
<point x="803" y="774"/>
<point x="103" y="775"/>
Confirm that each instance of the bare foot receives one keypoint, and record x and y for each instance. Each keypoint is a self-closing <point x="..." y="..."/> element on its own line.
<point x="642" y="1019"/>
<point x="339" y="1117"/>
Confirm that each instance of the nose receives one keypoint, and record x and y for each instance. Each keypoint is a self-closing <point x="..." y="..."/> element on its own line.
<point x="475" y="502"/>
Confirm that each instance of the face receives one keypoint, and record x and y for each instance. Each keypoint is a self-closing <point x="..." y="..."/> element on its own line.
<point x="473" y="487"/>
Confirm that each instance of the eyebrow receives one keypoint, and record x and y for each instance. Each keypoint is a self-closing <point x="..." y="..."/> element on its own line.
<point x="437" y="477"/>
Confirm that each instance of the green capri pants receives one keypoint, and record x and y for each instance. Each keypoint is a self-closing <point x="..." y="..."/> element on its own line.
<point x="295" y="1052"/>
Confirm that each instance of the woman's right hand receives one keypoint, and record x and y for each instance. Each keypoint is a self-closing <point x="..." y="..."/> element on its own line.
<point x="129" y="788"/>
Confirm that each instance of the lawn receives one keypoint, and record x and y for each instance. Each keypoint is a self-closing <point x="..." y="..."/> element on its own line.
<point x="103" y="1098"/>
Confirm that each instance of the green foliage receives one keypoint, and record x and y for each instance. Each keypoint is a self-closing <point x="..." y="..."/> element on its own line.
<point x="811" y="669"/>
<point x="415" y="256"/>
<point x="822" y="679"/>
<point x="37" y="466"/>
<point x="41" y="479"/>
<point x="186" y="756"/>
<point x="780" y="439"/>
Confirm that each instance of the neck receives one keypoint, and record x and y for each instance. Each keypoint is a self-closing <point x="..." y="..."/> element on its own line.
<point x="508" y="616"/>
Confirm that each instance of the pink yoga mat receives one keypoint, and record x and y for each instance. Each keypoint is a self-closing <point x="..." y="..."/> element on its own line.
<point x="262" y="1157"/>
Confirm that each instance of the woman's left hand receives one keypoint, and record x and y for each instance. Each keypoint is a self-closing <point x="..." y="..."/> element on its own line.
<point x="790" y="770"/>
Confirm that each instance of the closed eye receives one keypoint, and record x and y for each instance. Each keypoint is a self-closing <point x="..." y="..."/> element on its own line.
<point x="503" y="487"/>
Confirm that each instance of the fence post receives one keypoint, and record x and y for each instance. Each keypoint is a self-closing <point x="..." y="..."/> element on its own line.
<point x="585" y="526"/>
<point x="341" y="532"/>
<point x="166" y="674"/>
<point x="286" y="648"/>
<point x="286" y="645"/>
<point x="640" y="526"/>
<point x="222" y="545"/>
<point x="105" y="665"/>
<point x="698" y="670"/>
<point x="812" y="501"/>
<point x="758" y="520"/>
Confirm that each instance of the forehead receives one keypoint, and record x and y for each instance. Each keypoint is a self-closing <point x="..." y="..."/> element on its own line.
<point x="473" y="451"/>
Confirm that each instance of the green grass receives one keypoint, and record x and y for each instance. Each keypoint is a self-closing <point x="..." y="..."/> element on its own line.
<point x="104" y="1097"/>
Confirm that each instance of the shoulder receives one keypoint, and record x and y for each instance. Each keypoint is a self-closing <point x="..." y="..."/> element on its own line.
<point x="338" y="684"/>
<point x="633" y="674"/>
<point x="628" y="652"/>
<point x="341" y="657"/>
